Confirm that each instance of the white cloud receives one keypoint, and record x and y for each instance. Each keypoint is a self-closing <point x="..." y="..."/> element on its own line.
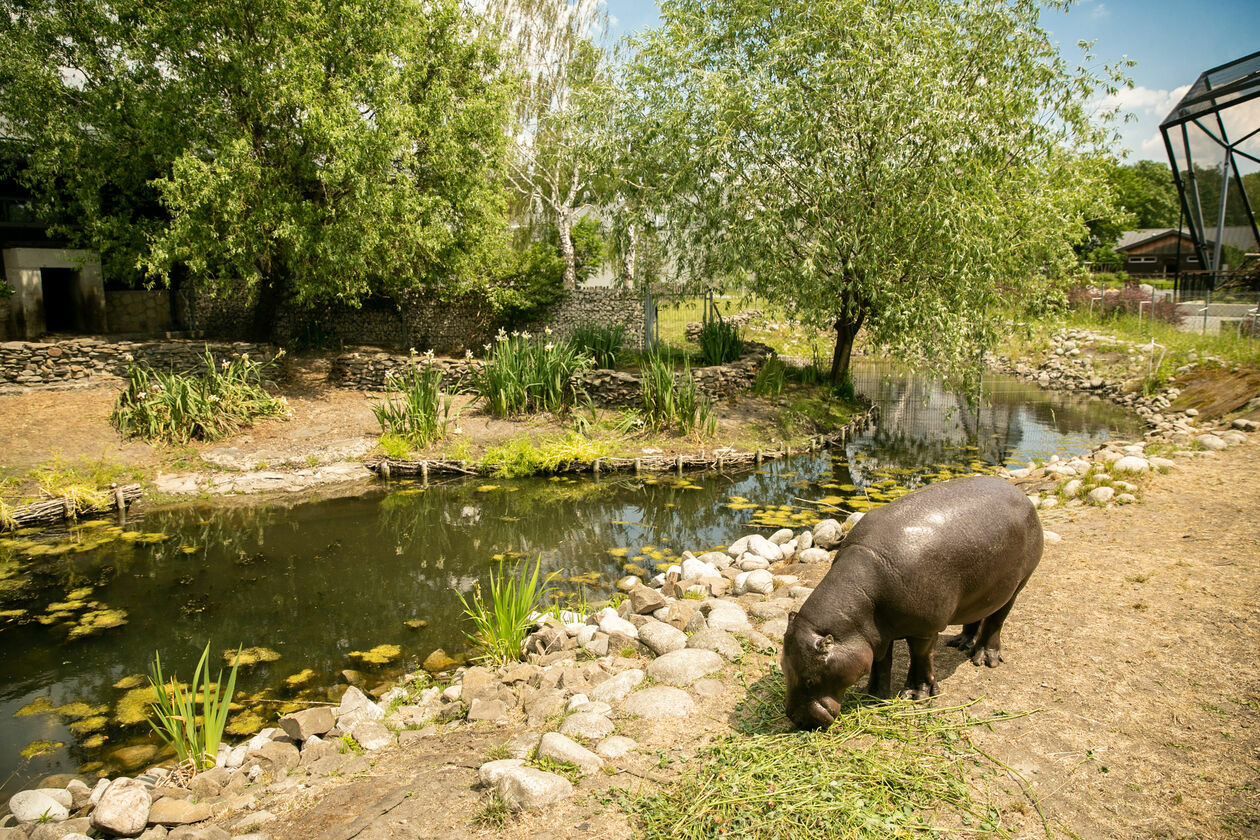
<point x="1142" y="101"/>
<point x="1100" y="12"/>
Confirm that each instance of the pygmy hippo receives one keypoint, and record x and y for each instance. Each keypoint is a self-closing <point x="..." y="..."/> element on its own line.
<point x="958" y="552"/>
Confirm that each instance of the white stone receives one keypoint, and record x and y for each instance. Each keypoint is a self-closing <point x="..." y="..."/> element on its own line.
<point x="853" y="519"/>
<point x="561" y="748"/>
<point x="595" y="707"/>
<point x="805" y="540"/>
<point x="781" y="536"/>
<point x="693" y="569"/>
<point x="718" y="641"/>
<point x="1233" y="438"/>
<point x="371" y="735"/>
<point x="575" y="701"/>
<point x="1162" y="463"/>
<point x="1131" y="463"/>
<point x="586" y="633"/>
<point x="662" y="638"/>
<point x="727" y="616"/>
<point x="490" y="772"/>
<point x="813" y="555"/>
<point x="452" y="693"/>
<point x="1072" y="488"/>
<point x="749" y="562"/>
<point x="762" y="547"/>
<point x="1050" y="537"/>
<point x="587" y="725"/>
<point x="532" y="789"/>
<point x="28" y="806"/>
<point x="616" y="624"/>
<point x="1210" y="442"/>
<point x="828" y="534"/>
<point x="123" y="808"/>
<point x="101" y="785"/>
<point x="617" y="686"/>
<point x="659" y="701"/>
<point x="628" y="582"/>
<point x="615" y="746"/>
<point x="1101" y="495"/>
<point x="355" y="707"/>
<point x="716" y="559"/>
<point x="684" y="666"/>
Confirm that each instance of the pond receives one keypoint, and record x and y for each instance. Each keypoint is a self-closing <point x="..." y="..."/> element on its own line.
<point x="320" y="584"/>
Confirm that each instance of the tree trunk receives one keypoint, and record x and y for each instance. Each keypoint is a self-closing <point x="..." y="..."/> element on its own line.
<point x="271" y="293"/>
<point x="564" y="227"/>
<point x="846" y="331"/>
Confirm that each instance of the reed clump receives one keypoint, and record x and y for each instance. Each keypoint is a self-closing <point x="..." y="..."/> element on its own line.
<point x="525" y="374"/>
<point x="503" y="619"/>
<point x="414" y="407"/>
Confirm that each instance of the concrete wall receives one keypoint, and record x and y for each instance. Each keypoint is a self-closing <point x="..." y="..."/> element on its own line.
<point x="23" y="270"/>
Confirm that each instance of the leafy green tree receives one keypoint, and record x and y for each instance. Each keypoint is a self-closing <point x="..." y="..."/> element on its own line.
<point x="1146" y="190"/>
<point x="898" y="166"/>
<point x="314" y="150"/>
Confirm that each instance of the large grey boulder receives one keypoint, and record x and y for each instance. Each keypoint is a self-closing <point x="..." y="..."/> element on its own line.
<point x="617" y="686"/>
<point x="661" y="638"/>
<point x="684" y="666"/>
<point x="718" y="641"/>
<point x="531" y="789"/>
<point x="659" y="701"/>
<point x="301" y="725"/>
<point x="123" y="808"/>
<point x="490" y="772"/>
<point x="587" y="725"/>
<point x="559" y="747"/>
<point x="28" y="806"/>
<point x="828" y="534"/>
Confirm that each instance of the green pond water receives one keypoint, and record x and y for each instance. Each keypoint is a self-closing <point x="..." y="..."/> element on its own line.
<point x="82" y="612"/>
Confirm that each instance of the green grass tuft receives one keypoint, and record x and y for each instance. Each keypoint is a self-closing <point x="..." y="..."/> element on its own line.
<point x="502" y="621"/>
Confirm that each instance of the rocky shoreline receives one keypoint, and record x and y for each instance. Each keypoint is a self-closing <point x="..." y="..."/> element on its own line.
<point x="669" y="643"/>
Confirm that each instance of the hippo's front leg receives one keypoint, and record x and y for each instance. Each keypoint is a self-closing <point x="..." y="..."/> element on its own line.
<point x="921" y="679"/>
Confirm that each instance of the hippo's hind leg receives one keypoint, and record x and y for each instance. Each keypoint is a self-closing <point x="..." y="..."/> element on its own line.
<point x="921" y="679"/>
<point x="966" y="640"/>
<point x="988" y="641"/>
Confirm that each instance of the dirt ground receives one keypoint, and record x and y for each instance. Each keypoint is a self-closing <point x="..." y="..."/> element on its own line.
<point x="1134" y="649"/>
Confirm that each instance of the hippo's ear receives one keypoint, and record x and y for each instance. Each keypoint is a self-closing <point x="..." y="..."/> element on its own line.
<point x="825" y="644"/>
<point x="792" y="616"/>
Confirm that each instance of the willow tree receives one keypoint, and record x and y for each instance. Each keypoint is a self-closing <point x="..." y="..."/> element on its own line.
<point x="898" y="166"/>
<point x="311" y="150"/>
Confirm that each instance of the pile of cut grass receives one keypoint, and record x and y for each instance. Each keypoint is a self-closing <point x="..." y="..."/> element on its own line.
<point x="884" y="769"/>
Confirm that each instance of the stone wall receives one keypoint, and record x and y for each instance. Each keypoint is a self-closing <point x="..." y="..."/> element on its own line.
<point x="4" y="318"/>
<point x="36" y="364"/>
<point x="138" y="311"/>
<point x="418" y="321"/>
<point x="367" y="370"/>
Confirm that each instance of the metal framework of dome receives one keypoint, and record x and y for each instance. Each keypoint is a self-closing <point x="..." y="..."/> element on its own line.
<point x="1213" y="139"/>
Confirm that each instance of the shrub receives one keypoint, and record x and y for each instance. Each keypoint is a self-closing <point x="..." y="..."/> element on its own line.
<point x="414" y="409"/>
<point x="502" y="623"/>
<point x="175" y="717"/>
<point x="206" y="405"/>
<point x="604" y="344"/>
<point x="670" y="400"/>
<point x="519" y="457"/>
<point x="720" y="342"/>
<point x="770" y="379"/>
<point x="525" y="374"/>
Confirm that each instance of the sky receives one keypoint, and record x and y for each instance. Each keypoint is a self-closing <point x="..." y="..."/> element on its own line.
<point x="1172" y="43"/>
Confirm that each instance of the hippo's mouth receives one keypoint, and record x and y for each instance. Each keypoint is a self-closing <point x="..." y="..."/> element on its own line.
<point x="818" y="713"/>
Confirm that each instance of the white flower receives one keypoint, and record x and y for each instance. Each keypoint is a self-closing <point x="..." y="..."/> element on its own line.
<point x="428" y="354"/>
<point x="214" y="398"/>
<point x="525" y="335"/>
<point x="487" y="346"/>
<point x="224" y="364"/>
<point x="547" y="330"/>
<point x="468" y="353"/>
<point x="502" y="335"/>
<point x="129" y="357"/>
<point x="412" y="351"/>
<point x="549" y="347"/>
<point x="142" y="395"/>
<point x="516" y="333"/>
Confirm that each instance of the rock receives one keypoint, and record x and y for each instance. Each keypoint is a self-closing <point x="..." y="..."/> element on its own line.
<point x="1050" y="537"/>
<point x="558" y="747"/>
<point x="28" y="806"/>
<point x="598" y="646"/>
<point x="708" y="688"/>
<point x="781" y="536"/>
<point x="301" y="725"/>
<point x="693" y="569"/>
<point x="644" y="600"/>
<point x="659" y="701"/>
<point x="805" y="540"/>
<point x="724" y="615"/>
<point x="1233" y="437"/>
<point x="1101" y="495"/>
<point x="1072" y="488"/>
<point x="684" y="666"/>
<point x="355" y="707"/>
<point x="813" y="555"/>
<point x="531" y="789"/>
<point x="372" y="735"/>
<point x="1210" y="442"/>
<point x="60" y="795"/>
<point x="717" y="559"/>
<point x="615" y="746"/>
<point x="543" y="705"/>
<point x="80" y="794"/>
<point x="775" y="629"/>
<point x="618" y="686"/>
<point x="661" y="638"/>
<point x="751" y="562"/>
<point x="696" y="623"/>
<point x="762" y="547"/>
<point x="438" y="661"/>
<point x="595" y="707"/>
<point x="759" y="581"/>
<point x="718" y="641"/>
<point x="178" y="812"/>
<point x="123" y="808"/>
<point x="59" y="830"/>
<point x="99" y="790"/>
<point x="629" y="582"/>
<point x="1131" y="463"/>
<point x="759" y="641"/>
<point x="587" y="725"/>
<point x="828" y="534"/>
<point x="611" y="623"/>
<point x="853" y="519"/>
<point x="490" y="772"/>
<point x="477" y="682"/>
<point x="549" y="638"/>
<point x="200" y="832"/>
<point x="253" y="821"/>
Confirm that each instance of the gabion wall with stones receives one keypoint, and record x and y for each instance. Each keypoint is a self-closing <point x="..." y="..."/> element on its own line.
<point x="424" y="323"/>
<point x="4" y="318"/>
<point x="34" y="364"/>
<point x="138" y="311"/>
<point x="369" y="370"/>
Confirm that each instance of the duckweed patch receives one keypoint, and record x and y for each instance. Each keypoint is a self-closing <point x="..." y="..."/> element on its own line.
<point x="379" y="655"/>
<point x="300" y="679"/>
<point x="129" y="682"/>
<point x="249" y="657"/>
<point x="38" y="706"/>
<point x="37" y="748"/>
<point x="97" y="621"/>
